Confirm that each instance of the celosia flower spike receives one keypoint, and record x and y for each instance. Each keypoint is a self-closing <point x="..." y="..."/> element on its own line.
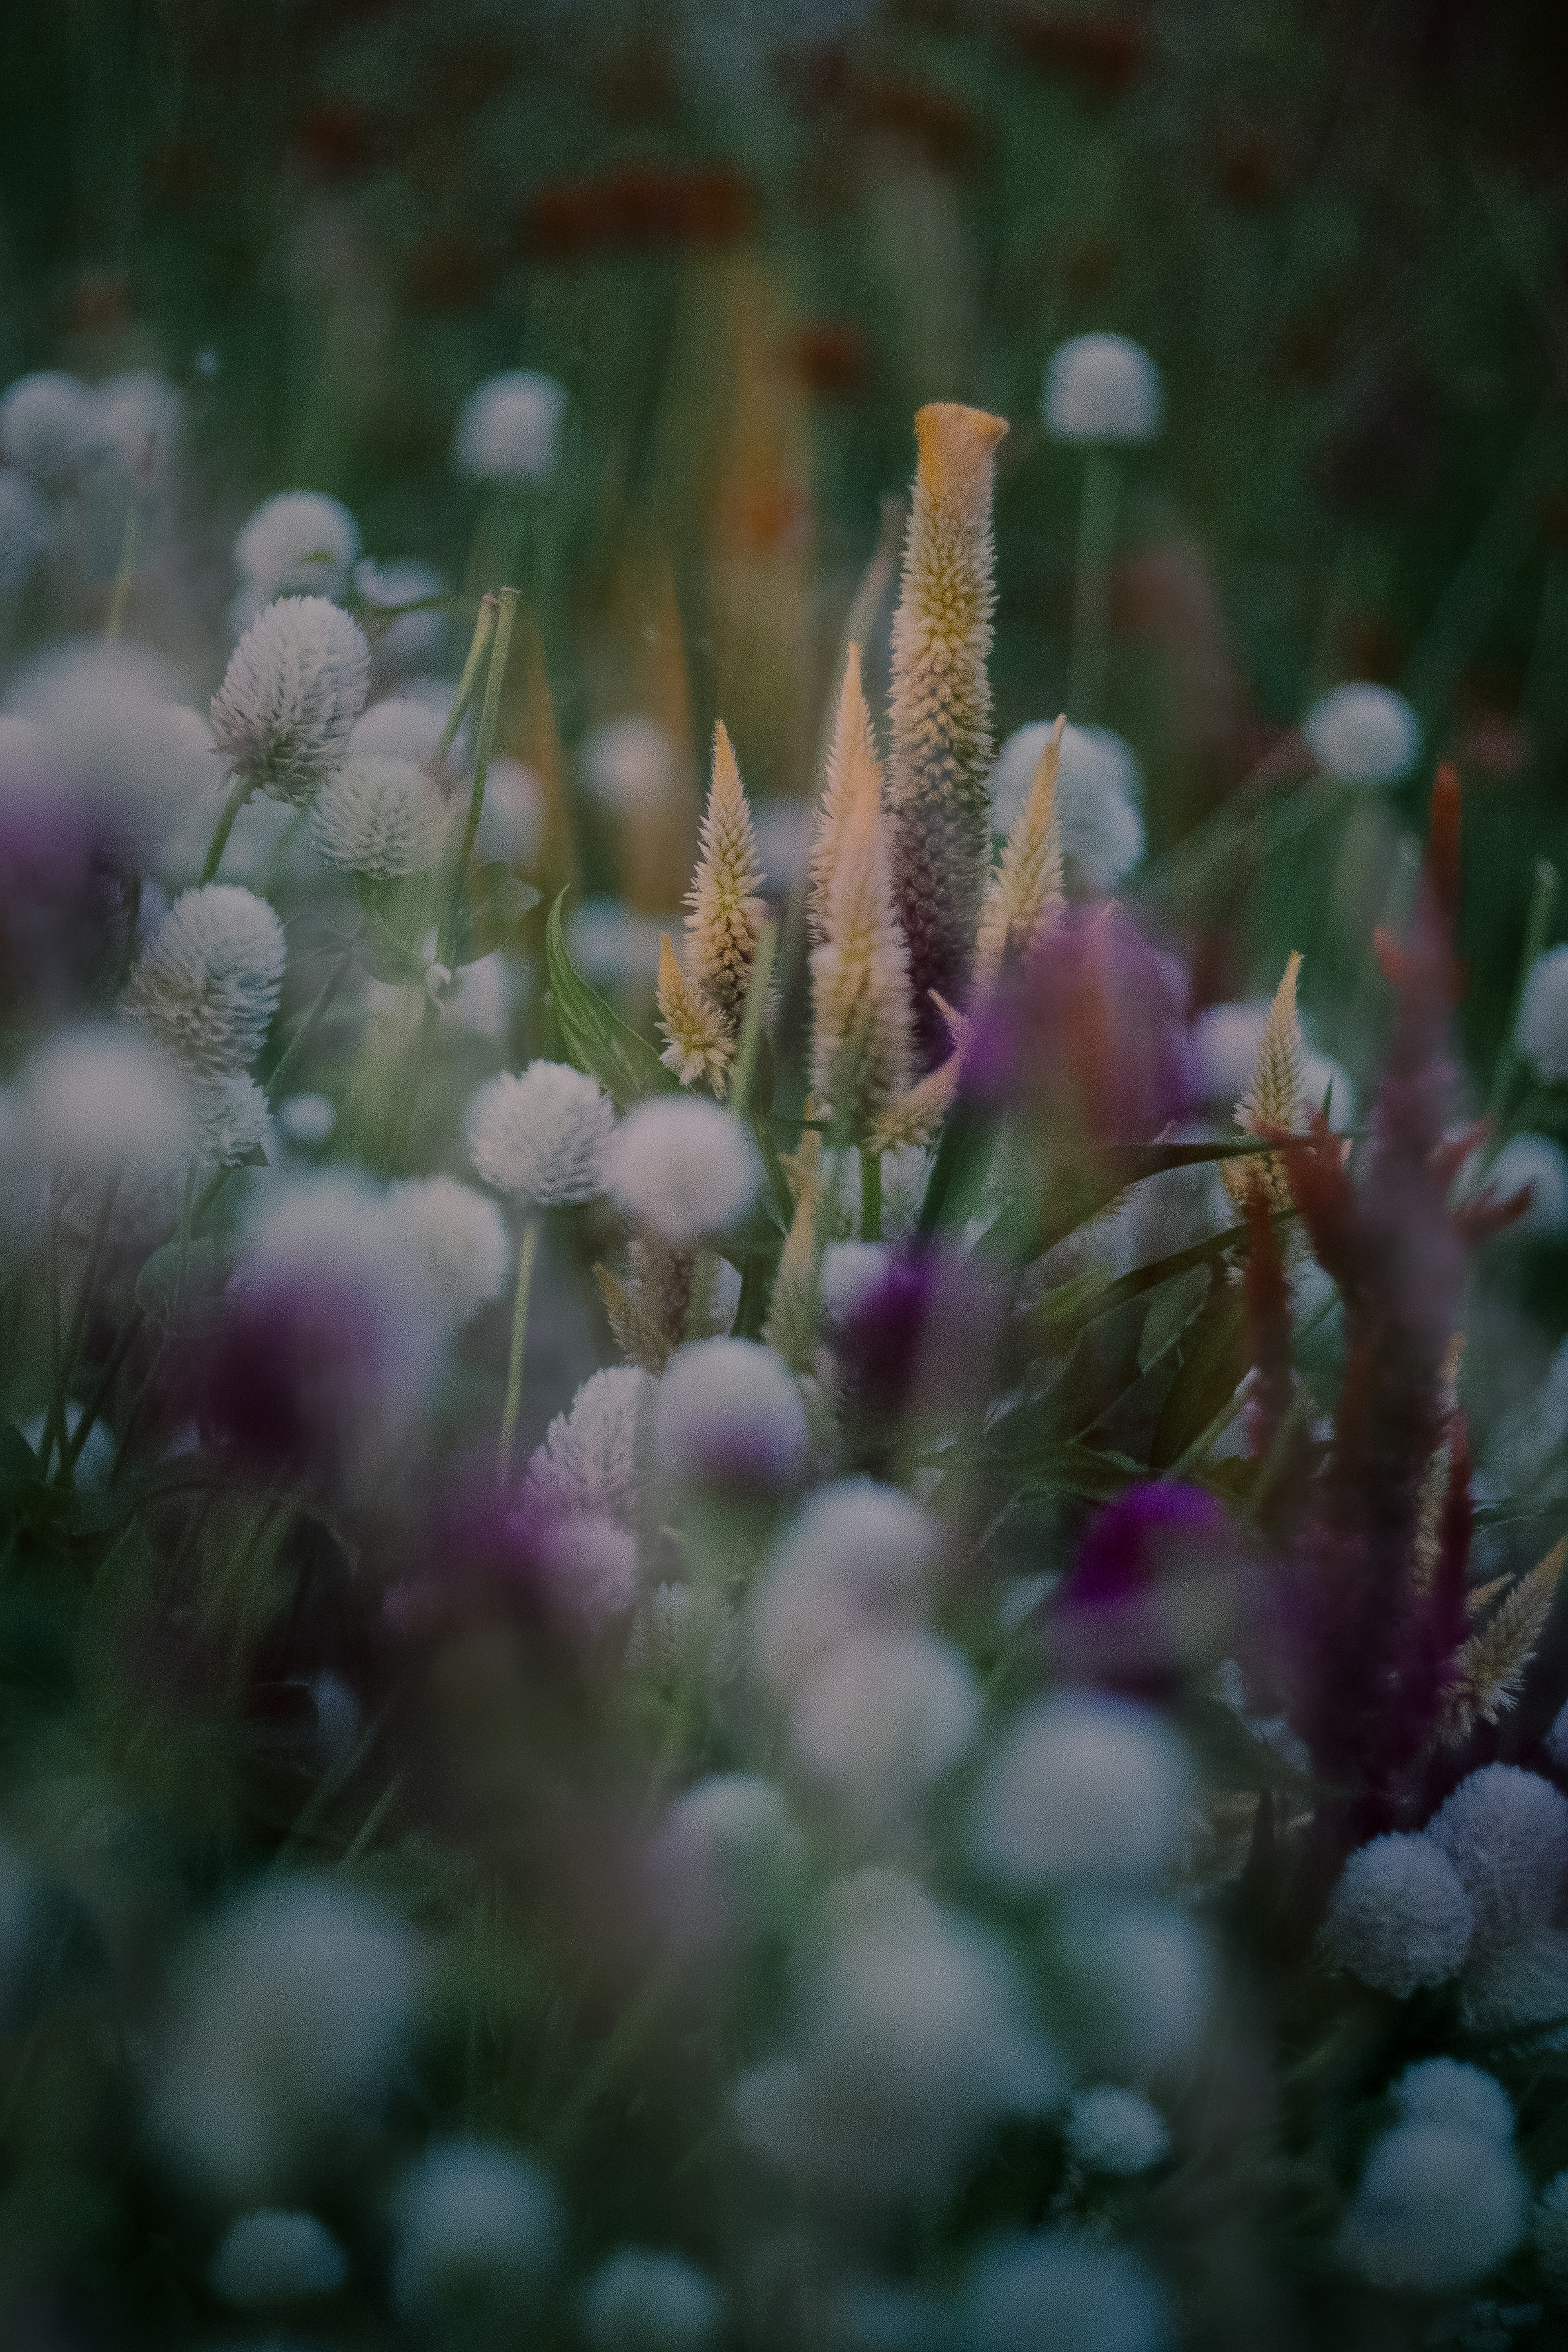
<point x="1492" y="1663"/>
<point x="942" y="746"/>
<point x="860" y="970"/>
<point x="1275" y="1096"/>
<point x="853" y="746"/>
<point x="1027" y="890"/>
<point x="724" y="906"/>
<point x="701" y="1046"/>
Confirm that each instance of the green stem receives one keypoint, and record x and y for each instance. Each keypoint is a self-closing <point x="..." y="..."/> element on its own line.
<point x="126" y="574"/>
<point x="100" y="1397"/>
<point x="239" y="794"/>
<point x="1542" y="902"/>
<point x="527" y="1244"/>
<point x="739" y="1092"/>
<point x="55" y="1432"/>
<point x="479" y="645"/>
<point x="1091" y="586"/>
<point x="309" y="1025"/>
<point x="870" y="1194"/>
<point x="506" y="614"/>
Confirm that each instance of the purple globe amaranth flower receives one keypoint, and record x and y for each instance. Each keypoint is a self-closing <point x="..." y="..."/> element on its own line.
<point x="1152" y="1591"/>
<point x="288" y="1373"/>
<point x="918" y="1337"/>
<point x="489" y="1545"/>
<point x="1087" y="1033"/>
<point x="1128" y="1543"/>
<point x="57" y="904"/>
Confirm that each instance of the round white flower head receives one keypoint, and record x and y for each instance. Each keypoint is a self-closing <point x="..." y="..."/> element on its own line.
<point x="206" y="984"/>
<point x="884" y="1717"/>
<point x="380" y="816"/>
<point x="1099" y="784"/>
<point x="1535" y="1160"/>
<point x="455" y="1239"/>
<point x="1058" y="2288"/>
<point x="1549" y="2230"/>
<point x="1542" y="1029"/>
<point x="99" y="1102"/>
<point x="858" y="1557"/>
<point x="509" y="429"/>
<point x="272" y="2257"/>
<point x="308" y="1120"/>
<point x="139" y="419"/>
<point x="298" y="543"/>
<point x="295" y="684"/>
<point x="1115" y="2131"/>
<point x="1145" y="1981"/>
<point x="737" y="1830"/>
<point x="681" y="1166"/>
<point x="333" y="1228"/>
<point x="412" y="639"/>
<point x="108" y="723"/>
<point x="471" y="2214"/>
<point x="588" y="1461"/>
<point x="629" y="763"/>
<point x="1400" y="1916"/>
<point x="233" y="1121"/>
<point x="48" y="427"/>
<point x="1520" y="1986"/>
<point x="27" y="529"/>
<point x="913" y="2037"/>
<point x="543" y="1137"/>
<point x="639" y="2300"/>
<point x="728" y="1410"/>
<point x="1506" y="1833"/>
<point x="294" y="2006"/>
<point x="1363" y="734"/>
<point x="1102" y="388"/>
<point x="1446" y="2090"/>
<point x="849" y="1270"/>
<point x="1084" y="1787"/>
<point x="1436" y="2209"/>
<point x="407" y="725"/>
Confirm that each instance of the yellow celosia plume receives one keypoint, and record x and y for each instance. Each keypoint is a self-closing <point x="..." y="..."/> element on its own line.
<point x="852" y="746"/>
<point x="723" y="909"/>
<point x="701" y="1044"/>
<point x="859" y="969"/>
<point x="1026" y="891"/>
<point x="1275" y="1098"/>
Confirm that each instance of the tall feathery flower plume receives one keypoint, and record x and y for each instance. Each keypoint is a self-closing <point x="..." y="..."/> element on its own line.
<point x="1027" y="890"/>
<point x="700" y="1007"/>
<point x="853" y="745"/>
<point x="941" y="707"/>
<point x="1276" y="1099"/>
<point x="859" y="971"/>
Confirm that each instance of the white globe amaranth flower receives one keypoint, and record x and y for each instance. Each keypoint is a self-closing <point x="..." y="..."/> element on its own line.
<point x="1363" y="734"/>
<point x="456" y="1240"/>
<point x="275" y="2257"/>
<point x="232" y="1119"/>
<point x="859" y="1557"/>
<point x="294" y="687"/>
<point x="1506" y="1833"/>
<point x="509" y="430"/>
<point x="544" y="1137"/>
<point x="683" y="1167"/>
<point x="471" y="2214"/>
<point x="1520" y="1986"/>
<point x="207" y="983"/>
<point x="729" y="1410"/>
<point x="913" y="2037"/>
<point x="27" y="530"/>
<point x="884" y="1717"/>
<point x="139" y="420"/>
<point x="643" y="2301"/>
<point x="629" y="763"/>
<point x="1549" y="2233"/>
<point x="849" y="1271"/>
<point x="1084" y="1787"/>
<point x="588" y="1461"/>
<point x="99" y="1102"/>
<point x="412" y="639"/>
<point x="1142" y="1974"/>
<point x="1447" y="2091"/>
<point x="1099" y="784"/>
<point x="1436" y="2209"/>
<point x="48" y="427"/>
<point x="1542" y="1029"/>
<point x="1062" y="2288"/>
<point x="294" y="2010"/>
<point x="379" y="816"/>
<point x="298" y="543"/>
<point x="1400" y="1916"/>
<point x="736" y="1828"/>
<point x="108" y="723"/>
<point x="334" y="1229"/>
<point x="308" y="1120"/>
<point x="1102" y="388"/>
<point x="1117" y="2132"/>
<point x="1526" y="1160"/>
<point x="407" y="725"/>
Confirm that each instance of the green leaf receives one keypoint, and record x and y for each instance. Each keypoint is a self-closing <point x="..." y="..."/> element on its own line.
<point x="596" y="1039"/>
<point x="497" y="901"/>
<point x="1086" y="1471"/>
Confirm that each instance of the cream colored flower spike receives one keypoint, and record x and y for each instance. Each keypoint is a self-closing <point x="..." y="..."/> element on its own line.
<point x="1277" y="1097"/>
<point x="852" y="748"/>
<point x="1026" y="891"/>
<point x="859" y="971"/>
<point x="724" y="907"/>
<point x="700" y="1044"/>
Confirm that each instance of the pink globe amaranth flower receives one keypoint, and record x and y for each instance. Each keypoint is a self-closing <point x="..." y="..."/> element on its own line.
<point x="920" y="1337"/>
<point x="489" y="1548"/>
<point x="1152" y="1591"/>
<point x="289" y="1373"/>
<point x="1088" y="1034"/>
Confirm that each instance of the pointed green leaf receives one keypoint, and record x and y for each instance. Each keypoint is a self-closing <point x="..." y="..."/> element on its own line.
<point x="596" y="1039"/>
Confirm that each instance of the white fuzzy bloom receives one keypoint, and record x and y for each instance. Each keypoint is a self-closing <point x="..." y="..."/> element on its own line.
<point x="640" y="2301"/>
<point x="299" y="543"/>
<point x="1096" y="808"/>
<point x="858" y="1557"/>
<point x="1144" y="1980"/>
<point x="591" y="1563"/>
<point x="1532" y="1160"/>
<point x="308" y="1120"/>
<point x="27" y="528"/>
<point x="1363" y="734"/>
<point x="379" y="816"/>
<point x="509" y="430"/>
<point x="681" y="1166"/>
<point x="233" y="1121"/>
<point x="913" y="2037"/>
<point x="329" y="1229"/>
<point x="206" y="984"/>
<point x="1400" y="1916"/>
<point x="139" y="420"/>
<point x="273" y="2257"/>
<point x="1115" y="2131"/>
<point x="588" y="1461"/>
<point x="48" y="427"/>
<point x="107" y="721"/>
<point x="1446" y="2090"/>
<point x="543" y="1137"/>
<point x="629" y="763"/>
<point x="472" y="2215"/>
<point x="849" y="1271"/>
<point x="1035" y="2294"/>
<point x="884" y="1717"/>
<point x="407" y="725"/>
<point x="1506" y="1833"/>
<point x="99" y="1102"/>
<point x="734" y="1834"/>
<point x="1086" y="1787"/>
<point x="1542" y="1029"/>
<point x="294" y="2010"/>
<point x="294" y="687"/>
<point x="1436" y="2209"/>
<point x="1549" y="2230"/>
<point x="1519" y="1987"/>
<point x="1102" y="388"/>
<point x="456" y="1240"/>
<point x="730" y="1410"/>
<point x="412" y="639"/>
